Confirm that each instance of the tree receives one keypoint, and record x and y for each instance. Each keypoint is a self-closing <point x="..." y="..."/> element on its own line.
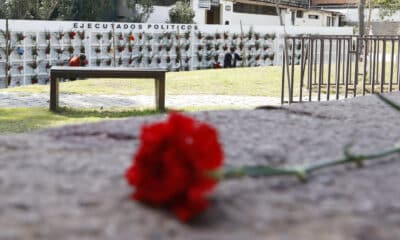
<point x="361" y="17"/>
<point x="89" y="10"/>
<point x="141" y="9"/>
<point x="181" y="13"/>
<point x="387" y="7"/>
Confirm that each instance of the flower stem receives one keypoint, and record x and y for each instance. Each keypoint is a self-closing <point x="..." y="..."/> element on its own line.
<point x="302" y="173"/>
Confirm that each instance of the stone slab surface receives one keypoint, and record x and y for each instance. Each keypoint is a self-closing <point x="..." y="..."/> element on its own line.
<point x="67" y="183"/>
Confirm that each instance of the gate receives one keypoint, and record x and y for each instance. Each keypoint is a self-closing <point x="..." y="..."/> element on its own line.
<point x="322" y="68"/>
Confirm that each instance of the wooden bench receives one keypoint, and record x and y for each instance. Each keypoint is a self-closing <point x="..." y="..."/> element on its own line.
<point x="95" y="72"/>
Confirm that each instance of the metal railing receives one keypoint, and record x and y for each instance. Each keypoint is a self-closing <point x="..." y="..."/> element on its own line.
<point x="335" y="67"/>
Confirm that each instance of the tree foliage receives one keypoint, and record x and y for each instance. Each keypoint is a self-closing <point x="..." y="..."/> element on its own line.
<point x="87" y="10"/>
<point x="387" y="7"/>
<point x="181" y="13"/>
<point x="141" y="9"/>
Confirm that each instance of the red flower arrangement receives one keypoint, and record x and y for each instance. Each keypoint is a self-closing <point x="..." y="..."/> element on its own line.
<point x="47" y="35"/>
<point x="47" y="49"/>
<point x="121" y="48"/>
<point x="131" y="37"/>
<point x="172" y="165"/>
<point x="81" y="35"/>
<point x="72" y="35"/>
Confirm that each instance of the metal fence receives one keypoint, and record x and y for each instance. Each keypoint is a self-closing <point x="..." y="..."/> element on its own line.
<point x="317" y="68"/>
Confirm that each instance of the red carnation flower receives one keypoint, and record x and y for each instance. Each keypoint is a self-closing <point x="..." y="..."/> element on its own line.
<point x="172" y="164"/>
<point x="131" y="38"/>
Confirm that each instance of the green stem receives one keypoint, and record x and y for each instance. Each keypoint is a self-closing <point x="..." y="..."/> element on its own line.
<point x="304" y="172"/>
<point x="301" y="173"/>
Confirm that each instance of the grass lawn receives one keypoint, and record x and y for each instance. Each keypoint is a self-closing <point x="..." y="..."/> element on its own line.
<point x="261" y="81"/>
<point x="22" y="120"/>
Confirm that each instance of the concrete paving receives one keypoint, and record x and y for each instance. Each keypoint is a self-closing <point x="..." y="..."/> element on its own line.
<point x="110" y="101"/>
<point x="68" y="183"/>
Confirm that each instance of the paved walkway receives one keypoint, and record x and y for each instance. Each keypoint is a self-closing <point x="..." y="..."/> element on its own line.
<point x="109" y="101"/>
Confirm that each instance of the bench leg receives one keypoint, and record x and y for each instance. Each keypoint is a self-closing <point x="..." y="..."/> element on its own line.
<point x="54" y="94"/>
<point x="160" y="93"/>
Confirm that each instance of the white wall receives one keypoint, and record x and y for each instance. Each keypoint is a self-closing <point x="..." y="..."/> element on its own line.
<point x="91" y="44"/>
<point x="160" y="15"/>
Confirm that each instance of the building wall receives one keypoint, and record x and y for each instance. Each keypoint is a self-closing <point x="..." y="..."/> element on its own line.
<point x="228" y="16"/>
<point x="334" y="2"/>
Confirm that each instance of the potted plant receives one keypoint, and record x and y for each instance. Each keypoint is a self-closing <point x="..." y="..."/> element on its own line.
<point x="187" y="47"/>
<point x="99" y="36"/>
<point x="33" y="65"/>
<point x="121" y="48"/>
<point x="34" y="51"/>
<point x="168" y="59"/>
<point x="34" y="79"/>
<point x="71" y="35"/>
<point x="19" y="36"/>
<point x="71" y="50"/>
<point x="60" y="35"/>
<point x="209" y="37"/>
<point x="20" y="68"/>
<point x="199" y="57"/>
<point x="226" y="35"/>
<point x="140" y="36"/>
<point x="48" y="66"/>
<point x="109" y="48"/>
<point x="47" y="49"/>
<point x="81" y="35"/>
<point x="168" y="47"/>
<point x="33" y="38"/>
<point x="187" y="35"/>
<point x="47" y="36"/>
<point x="120" y="36"/>
<point x="131" y="37"/>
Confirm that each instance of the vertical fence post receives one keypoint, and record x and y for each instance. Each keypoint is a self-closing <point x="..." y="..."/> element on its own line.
<point x="292" y="72"/>
<point x="383" y="73"/>
<point x="356" y="71"/>
<point x="391" y="66"/>
<point x="373" y="69"/>
<point x="347" y="76"/>
<point x="283" y="79"/>
<point x="366" y="47"/>
<point x="302" y="65"/>
<point x="329" y="69"/>
<point x="310" y="69"/>
<point x="7" y="81"/>
<point x="338" y="60"/>
<point x="321" y="67"/>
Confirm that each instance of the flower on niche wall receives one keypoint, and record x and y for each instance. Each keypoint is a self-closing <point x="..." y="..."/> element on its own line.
<point x="171" y="165"/>
<point x="71" y="35"/>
